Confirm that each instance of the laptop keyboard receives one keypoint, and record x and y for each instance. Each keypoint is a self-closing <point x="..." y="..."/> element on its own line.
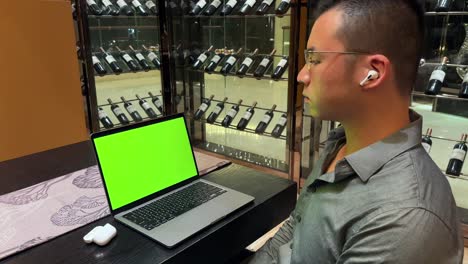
<point x="159" y="212"/>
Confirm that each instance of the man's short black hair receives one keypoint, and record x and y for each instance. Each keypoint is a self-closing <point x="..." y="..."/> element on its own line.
<point x="394" y="28"/>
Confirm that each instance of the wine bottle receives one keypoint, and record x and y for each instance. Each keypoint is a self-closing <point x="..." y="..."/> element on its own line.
<point x="146" y="107"/>
<point x="131" y="63"/>
<point x="157" y="102"/>
<point x="141" y="59"/>
<point x="178" y="97"/>
<point x="202" y="58"/>
<point x="109" y="8"/>
<point x="74" y="15"/>
<point x="179" y="55"/>
<point x="203" y="107"/>
<point x="79" y="54"/>
<point x="278" y="130"/>
<point x="248" y="4"/>
<point x="264" y="65"/>
<point x="283" y="7"/>
<point x="139" y="7"/>
<point x="231" y="114"/>
<point x="443" y="5"/>
<point x="186" y="6"/>
<point x="112" y="62"/>
<point x="280" y="68"/>
<point x="228" y="7"/>
<point x="262" y="126"/>
<point x="118" y="113"/>
<point x="219" y="54"/>
<point x="193" y="54"/>
<point x="125" y="8"/>
<point x="426" y="141"/>
<point x="98" y="66"/>
<point x="214" y="5"/>
<point x="152" y="7"/>
<point x="245" y="66"/>
<point x="104" y="118"/>
<point x="230" y="62"/>
<point x="247" y="116"/>
<point x="437" y="78"/>
<point x="153" y="58"/>
<point x="131" y="110"/>
<point x="198" y="8"/>
<point x="217" y="110"/>
<point x="458" y="157"/>
<point x="174" y="8"/>
<point x="264" y="6"/>
<point x="464" y="87"/>
<point x="94" y="8"/>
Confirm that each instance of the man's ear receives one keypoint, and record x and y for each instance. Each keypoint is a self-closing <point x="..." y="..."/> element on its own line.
<point x="376" y="72"/>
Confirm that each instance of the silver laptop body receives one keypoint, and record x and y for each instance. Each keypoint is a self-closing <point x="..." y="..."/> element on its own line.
<point x="187" y="224"/>
<point x="180" y="228"/>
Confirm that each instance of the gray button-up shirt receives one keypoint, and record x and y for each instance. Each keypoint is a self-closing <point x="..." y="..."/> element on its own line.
<point x="386" y="203"/>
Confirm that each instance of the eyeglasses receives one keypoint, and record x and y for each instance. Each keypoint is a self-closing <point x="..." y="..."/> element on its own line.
<point x="311" y="56"/>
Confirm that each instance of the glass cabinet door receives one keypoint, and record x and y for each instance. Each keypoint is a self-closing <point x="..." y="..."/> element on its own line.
<point x="120" y="45"/>
<point x="230" y="63"/>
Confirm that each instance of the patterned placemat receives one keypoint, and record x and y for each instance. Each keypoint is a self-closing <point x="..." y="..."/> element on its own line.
<point x="36" y="214"/>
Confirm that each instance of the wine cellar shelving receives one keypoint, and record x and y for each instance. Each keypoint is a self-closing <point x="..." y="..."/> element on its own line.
<point x="179" y="39"/>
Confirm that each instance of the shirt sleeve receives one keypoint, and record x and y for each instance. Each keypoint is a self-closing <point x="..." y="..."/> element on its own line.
<point x="412" y="235"/>
<point x="268" y="253"/>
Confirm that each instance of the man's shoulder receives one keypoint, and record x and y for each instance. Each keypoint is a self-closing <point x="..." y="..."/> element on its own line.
<point x="414" y="172"/>
<point x="420" y="173"/>
<point x="413" y="180"/>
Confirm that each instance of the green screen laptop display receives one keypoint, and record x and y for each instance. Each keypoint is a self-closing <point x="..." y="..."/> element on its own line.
<point x="141" y="161"/>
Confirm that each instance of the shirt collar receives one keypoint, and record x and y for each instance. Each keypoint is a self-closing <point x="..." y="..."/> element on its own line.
<point x="368" y="160"/>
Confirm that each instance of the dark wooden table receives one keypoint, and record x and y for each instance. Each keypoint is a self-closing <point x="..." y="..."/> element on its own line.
<point x="275" y="198"/>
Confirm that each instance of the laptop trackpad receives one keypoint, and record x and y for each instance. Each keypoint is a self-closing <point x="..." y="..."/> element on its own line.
<point x="189" y="223"/>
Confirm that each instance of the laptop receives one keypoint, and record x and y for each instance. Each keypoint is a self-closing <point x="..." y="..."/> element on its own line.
<point x="152" y="182"/>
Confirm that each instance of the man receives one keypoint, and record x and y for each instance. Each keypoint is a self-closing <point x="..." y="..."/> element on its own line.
<point x="375" y="195"/>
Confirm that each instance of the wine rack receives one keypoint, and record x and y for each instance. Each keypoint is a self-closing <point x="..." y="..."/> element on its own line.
<point x="195" y="34"/>
<point x="234" y="16"/>
<point x="246" y="105"/>
<point x="134" y="101"/>
<point x="122" y="17"/>
<point x="242" y="155"/>
<point x="109" y="33"/>
<point x="451" y="13"/>
<point x="180" y="38"/>
<point x="443" y="96"/>
<point x="448" y="65"/>
<point x="99" y="28"/>
<point x="122" y="64"/>
<point x="248" y="76"/>
<point x="247" y="130"/>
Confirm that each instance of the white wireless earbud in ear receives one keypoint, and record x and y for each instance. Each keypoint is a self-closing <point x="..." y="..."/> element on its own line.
<point x="372" y="75"/>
